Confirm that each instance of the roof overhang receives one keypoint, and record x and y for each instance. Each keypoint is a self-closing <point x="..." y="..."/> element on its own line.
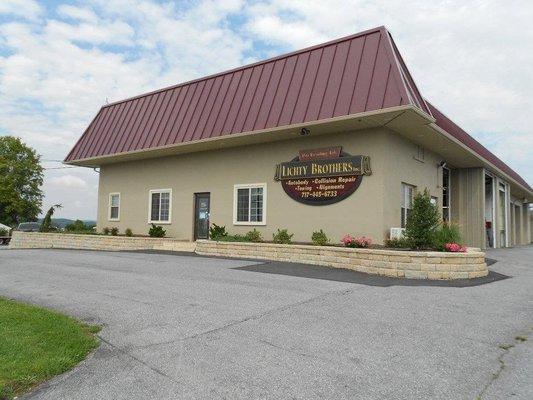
<point x="408" y="121"/>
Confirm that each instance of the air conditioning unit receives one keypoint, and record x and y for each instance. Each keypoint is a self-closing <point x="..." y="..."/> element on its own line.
<point x="396" y="233"/>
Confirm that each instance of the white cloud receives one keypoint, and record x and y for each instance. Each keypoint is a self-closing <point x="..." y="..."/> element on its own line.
<point x="58" y="65"/>
<point x="79" y="13"/>
<point x="471" y="59"/>
<point x="21" y="8"/>
<point x="68" y="182"/>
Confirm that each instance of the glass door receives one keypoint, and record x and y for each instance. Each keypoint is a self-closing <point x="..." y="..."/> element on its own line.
<point x="201" y="215"/>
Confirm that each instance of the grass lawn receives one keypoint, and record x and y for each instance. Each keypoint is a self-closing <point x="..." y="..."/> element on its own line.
<point x="36" y="344"/>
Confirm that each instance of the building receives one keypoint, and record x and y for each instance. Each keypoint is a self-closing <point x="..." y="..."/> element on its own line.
<point x="335" y="137"/>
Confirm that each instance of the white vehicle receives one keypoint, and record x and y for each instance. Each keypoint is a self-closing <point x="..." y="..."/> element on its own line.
<point x="4" y="239"/>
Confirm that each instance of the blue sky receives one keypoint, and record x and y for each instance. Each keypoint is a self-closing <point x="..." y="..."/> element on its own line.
<point x="60" y="61"/>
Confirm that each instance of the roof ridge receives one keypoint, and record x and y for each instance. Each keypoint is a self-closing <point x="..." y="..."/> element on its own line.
<point x="255" y="64"/>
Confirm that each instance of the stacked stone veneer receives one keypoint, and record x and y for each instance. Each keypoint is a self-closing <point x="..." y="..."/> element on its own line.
<point x="408" y="264"/>
<point x="37" y="240"/>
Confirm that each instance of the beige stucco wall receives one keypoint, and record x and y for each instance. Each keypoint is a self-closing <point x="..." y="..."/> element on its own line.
<point x="403" y="167"/>
<point x="371" y="210"/>
<point x="468" y="204"/>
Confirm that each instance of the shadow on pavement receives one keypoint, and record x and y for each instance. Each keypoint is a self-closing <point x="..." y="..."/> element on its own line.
<point x="346" y="275"/>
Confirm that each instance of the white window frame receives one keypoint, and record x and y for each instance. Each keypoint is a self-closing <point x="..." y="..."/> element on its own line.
<point x="150" y="192"/>
<point x="413" y="192"/>
<point x="250" y="186"/>
<point x="109" y="207"/>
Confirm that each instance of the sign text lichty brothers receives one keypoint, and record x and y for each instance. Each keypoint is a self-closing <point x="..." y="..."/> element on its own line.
<point x="322" y="176"/>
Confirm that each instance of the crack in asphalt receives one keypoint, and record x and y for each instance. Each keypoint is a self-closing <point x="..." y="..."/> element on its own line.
<point x="501" y="364"/>
<point x="251" y="318"/>
<point x="137" y="359"/>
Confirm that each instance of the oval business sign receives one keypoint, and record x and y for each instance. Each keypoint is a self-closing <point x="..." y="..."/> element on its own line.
<point x="322" y="176"/>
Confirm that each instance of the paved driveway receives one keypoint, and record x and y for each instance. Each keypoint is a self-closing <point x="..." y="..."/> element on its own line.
<point x="187" y="327"/>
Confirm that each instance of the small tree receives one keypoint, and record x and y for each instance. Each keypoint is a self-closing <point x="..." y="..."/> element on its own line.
<point x="21" y="177"/>
<point x="47" y="221"/>
<point x="78" y="226"/>
<point x="422" y="222"/>
<point x="156" y="231"/>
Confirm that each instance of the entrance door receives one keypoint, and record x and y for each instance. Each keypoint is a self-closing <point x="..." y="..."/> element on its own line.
<point x="201" y="215"/>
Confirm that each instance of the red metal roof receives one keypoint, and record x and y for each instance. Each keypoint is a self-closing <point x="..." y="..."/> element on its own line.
<point x="358" y="73"/>
<point x="457" y="132"/>
<point x="354" y="74"/>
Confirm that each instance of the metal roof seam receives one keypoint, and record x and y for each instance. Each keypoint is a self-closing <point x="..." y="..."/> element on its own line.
<point x="409" y="78"/>
<point x="357" y="75"/>
<point x="175" y="132"/>
<point x="313" y="85"/>
<point x="123" y="144"/>
<point x="144" y="121"/>
<point x="168" y="132"/>
<point x="189" y="115"/>
<point x="327" y="80"/>
<point x="149" y="136"/>
<point x="87" y="141"/>
<point x="300" y="87"/>
<point x="386" y="87"/>
<point x="258" y="63"/>
<point x="231" y="100"/>
<point x="273" y="95"/>
<point x="221" y="106"/>
<point x="218" y="83"/>
<point x="160" y="129"/>
<point x="122" y="137"/>
<point x="372" y="81"/>
<point x="107" y="146"/>
<point x="107" y="129"/>
<point x="342" y="77"/>
<point x="201" y="110"/>
<point x="231" y="129"/>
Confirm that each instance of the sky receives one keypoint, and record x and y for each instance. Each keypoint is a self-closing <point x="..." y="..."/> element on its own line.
<point x="61" y="61"/>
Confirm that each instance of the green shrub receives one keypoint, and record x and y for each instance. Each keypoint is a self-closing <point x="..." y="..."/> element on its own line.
<point x="217" y="232"/>
<point x="254" y="236"/>
<point x="233" y="238"/>
<point x="446" y="233"/>
<point x="422" y="222"/>
<point x="400" y="243"/>
<point x="128" y="232"/>
<point x="106" y="231"/>
<point x="319" y="238"/>
<point x="3" y="232"/>
<point x="78" y="226"/>
<point x="114" y="231"/>
<point x="282" y="237"/>
<point x="157" y="231"/>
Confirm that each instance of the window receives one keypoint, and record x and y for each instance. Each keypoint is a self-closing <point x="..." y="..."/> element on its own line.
<point x="445" y="194"/>
<point x="420" y="154"/>
<point x="160" y="205"/>
<point x="114" y="206"/>
<point x="407" y="202"/>
<point x="249" y="204"/>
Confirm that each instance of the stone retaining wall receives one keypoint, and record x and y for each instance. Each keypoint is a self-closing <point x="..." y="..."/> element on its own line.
<point x="408" y="264"/>
<point x="37" y="240"/>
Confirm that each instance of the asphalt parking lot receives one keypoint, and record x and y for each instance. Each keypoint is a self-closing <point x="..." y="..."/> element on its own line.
<point x="202" y="328"/>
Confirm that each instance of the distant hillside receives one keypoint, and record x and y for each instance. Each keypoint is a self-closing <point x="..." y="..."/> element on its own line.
<point x="62" y="222"/>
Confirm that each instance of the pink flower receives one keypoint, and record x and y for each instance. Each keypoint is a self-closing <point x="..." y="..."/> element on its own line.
<point x="454" y="248"/>
<point x="363" y="241"/>
<point x="348" y="240"/>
